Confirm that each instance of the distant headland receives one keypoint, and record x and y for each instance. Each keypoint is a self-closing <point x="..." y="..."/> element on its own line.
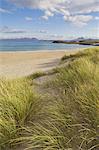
<point x="80" y="41"/>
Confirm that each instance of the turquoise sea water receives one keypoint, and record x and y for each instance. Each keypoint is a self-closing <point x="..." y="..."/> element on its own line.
<point x="35" y="45"/>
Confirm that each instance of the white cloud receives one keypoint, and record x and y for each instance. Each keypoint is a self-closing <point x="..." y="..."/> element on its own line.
<point x="12" y="33"/>
<point x="43" y="31"/>
<point x="80" y="20"/>
<point x="7" y="29"/>
<point x="4" y="11"/>
<point x="47" y="15"/>
<point x="96" y="18"/>
<point x="74" y="11"/>
<point x="28" y="18"/>
<point x="52" y="37"/>
<point x="89" y="9"/>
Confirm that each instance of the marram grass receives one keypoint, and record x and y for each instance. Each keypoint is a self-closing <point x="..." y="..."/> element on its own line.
<point x="18" y="106"/>
<point x="66" y="120"/>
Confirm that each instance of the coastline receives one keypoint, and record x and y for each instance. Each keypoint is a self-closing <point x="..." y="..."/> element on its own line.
<point x="40" y="51"/>
<point x="24" y="63"/>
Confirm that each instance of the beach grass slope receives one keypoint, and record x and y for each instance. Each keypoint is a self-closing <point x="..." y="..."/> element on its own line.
<point x="59" y="114"/>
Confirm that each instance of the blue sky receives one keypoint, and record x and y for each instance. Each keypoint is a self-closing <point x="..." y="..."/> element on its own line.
<point x="49" y="19"/>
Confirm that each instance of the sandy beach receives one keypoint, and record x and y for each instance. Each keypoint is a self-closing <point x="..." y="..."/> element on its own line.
<point x="18" y="64"/>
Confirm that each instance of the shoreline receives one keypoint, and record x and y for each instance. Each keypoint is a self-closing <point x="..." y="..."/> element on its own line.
<point x="20" y="64"/>
<point x="40" y="51"/>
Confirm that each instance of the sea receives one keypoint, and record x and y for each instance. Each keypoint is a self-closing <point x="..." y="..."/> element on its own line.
<point x="35" y="45"/>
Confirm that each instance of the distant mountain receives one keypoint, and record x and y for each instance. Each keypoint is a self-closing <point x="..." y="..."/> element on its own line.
<point x="78" y="39"/>
<point x="85" y="39"/>
<point x="22" y="39"/>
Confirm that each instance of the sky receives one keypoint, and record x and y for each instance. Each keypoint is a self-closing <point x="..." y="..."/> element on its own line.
<point x="49" y="19"/>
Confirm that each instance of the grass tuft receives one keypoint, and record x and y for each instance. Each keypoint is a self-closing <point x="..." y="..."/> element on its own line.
<point x="36" y="75"/>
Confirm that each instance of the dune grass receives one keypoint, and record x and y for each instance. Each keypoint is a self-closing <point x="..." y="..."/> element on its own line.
<point x="18" y="106"/>
<point x="68" y="119"/>
<point x="36" y="75"/>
